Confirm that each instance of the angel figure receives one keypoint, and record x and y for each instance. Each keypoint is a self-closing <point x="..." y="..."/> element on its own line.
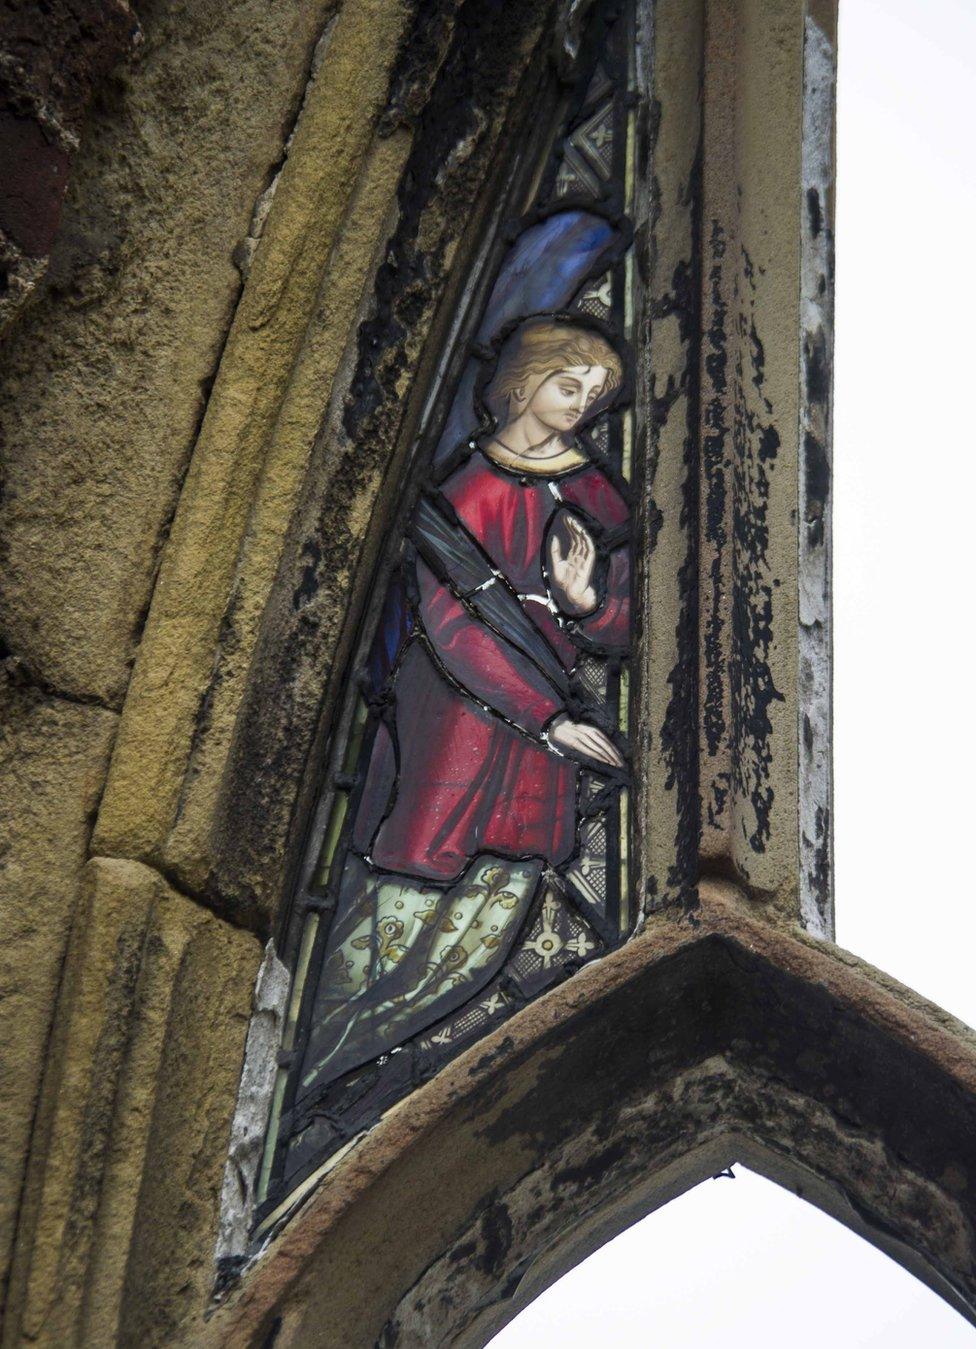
<point x="520" y="562"/>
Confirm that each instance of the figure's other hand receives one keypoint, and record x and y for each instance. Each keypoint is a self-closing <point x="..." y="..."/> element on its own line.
<point x="571" y="571"/>
<point x="577" y="737"/>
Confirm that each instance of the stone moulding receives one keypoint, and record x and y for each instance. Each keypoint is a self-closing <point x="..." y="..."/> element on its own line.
<point x="131" y="1126"/>
<point x="251" y="453"/>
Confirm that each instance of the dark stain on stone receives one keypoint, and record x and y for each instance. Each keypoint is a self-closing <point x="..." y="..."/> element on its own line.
<point x="56" y="55"/>
<point x="500" y="1051"/>
<point x="718" y="998"/>
<point x="817" y="367"/>
<point x="418" y="61"/>
<point x="274" y="1330"/>
<point x="389" y="1336"/>
<point x="309" y="584"/>
<point x="814" y="211"/>
<point x="816" y="468"/>
<point x="475" y="80"/>
<point x="577" y="1082"/>
<point x="34" y="184"/>
<point x="495" y="1238"/>
<point x="591" y="1172"/>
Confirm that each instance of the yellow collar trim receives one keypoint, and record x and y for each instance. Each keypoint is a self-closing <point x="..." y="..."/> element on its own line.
<point x="549" y="467"/>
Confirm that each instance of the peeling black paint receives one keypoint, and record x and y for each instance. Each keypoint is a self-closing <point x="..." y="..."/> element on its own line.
<point x="718" y="789"/>
<point x="816" y="461"/>
<point x="715" y="439"/>
<point x="819" y="876"/>
<point x="679" y="729"/>
<point x="814" y="558"/>
<point x="756" y="445"/>
<point x="681" y="301"/>
<point x="654" y="519"/>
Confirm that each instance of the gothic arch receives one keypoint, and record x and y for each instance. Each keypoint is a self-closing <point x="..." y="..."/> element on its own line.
<point x="732" y="1041"/>
<point x="726" y="1028"/>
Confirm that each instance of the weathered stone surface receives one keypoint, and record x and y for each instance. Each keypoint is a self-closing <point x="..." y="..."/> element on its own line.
<point x="815" y="619"/>
<point x="249" y="409"/>
<point x="116" y="1236"/>
<point x="666" y="750"/>
<point x="105" y="379"/>
<point x="238" y="1196"/>
<point x="764" y="361"/>
<point x="52" y="57"/>
<point x="325" y="357"/>
<point x="53" y="757"/>
<point x="732" y="1039"/>
<point x="730" y="1033"/>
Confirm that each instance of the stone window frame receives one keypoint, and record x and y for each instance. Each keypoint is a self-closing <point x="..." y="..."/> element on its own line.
<point x="760" y="821"/>
<point x="528" y="156"/>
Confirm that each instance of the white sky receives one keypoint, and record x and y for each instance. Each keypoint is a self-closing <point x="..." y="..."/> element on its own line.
<point x="744" y="1263"/>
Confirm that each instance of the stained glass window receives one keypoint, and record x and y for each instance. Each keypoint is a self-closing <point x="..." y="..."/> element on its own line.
<point x="470" y="843"/>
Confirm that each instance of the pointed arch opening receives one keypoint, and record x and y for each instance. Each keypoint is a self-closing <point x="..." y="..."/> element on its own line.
<point x="731" y="1042"/>
<point x="737" y="1260"/>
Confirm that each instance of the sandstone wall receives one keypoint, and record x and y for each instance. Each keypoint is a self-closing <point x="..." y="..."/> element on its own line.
<point x="104" y="375"/>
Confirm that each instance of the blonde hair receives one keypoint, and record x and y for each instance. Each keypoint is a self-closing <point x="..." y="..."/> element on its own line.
<point x="543" y="346"/>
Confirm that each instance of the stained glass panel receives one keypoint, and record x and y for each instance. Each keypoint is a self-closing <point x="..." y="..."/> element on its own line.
<point x="470" y="844"/>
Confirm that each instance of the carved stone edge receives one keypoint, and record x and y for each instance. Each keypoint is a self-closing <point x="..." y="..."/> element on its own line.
<point x="121" y="1195"/>
<point x="815" y="502"/>
<point x="572" y="1162"/>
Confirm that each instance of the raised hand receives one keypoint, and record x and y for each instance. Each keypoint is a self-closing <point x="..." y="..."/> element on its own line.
<point x="578" y="737"/>
<point x="571" y="572"/>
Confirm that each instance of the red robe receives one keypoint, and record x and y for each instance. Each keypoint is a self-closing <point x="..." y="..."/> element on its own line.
<point x="471" y="770"/>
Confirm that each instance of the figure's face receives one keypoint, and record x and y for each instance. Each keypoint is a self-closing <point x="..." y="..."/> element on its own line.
<point x="561" y="399"/>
